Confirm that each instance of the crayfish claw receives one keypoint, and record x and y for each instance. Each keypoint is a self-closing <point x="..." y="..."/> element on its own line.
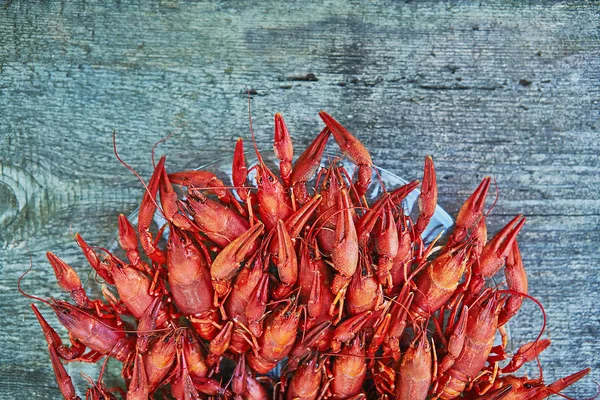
<point x="307" y="165"/>
<point x="353" y="149"/>
<point x="229" y="260"/>
<point x="470" y="212"/>
<point x="283" y="148"/>
<point x="68" y="279"/>
<point x="65" y="384"/>
<point x="428" y="197"/>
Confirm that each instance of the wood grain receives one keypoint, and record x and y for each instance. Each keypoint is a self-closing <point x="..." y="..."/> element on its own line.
<point x="507" y="89"/>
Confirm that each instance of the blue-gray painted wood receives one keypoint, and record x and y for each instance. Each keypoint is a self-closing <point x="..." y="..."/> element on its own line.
<point x="506" y="89"/>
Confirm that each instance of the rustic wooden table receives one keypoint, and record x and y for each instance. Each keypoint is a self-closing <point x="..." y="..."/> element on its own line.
<point x="504" y="89"/>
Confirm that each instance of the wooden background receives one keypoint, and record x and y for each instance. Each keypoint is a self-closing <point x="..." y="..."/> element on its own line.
<point x="508" y="89"/>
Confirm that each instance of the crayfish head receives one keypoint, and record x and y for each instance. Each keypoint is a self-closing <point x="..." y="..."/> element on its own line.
<point x="66" y="313"/>
<point x="184" y="259"/>
<point x="162" y="352"/>
<point x="266" y="180"/>
<point x="195" y="195"/>
<point x="357" y="347"/>
<point x="330" y="188"/>
<point x="221" y="287"/>
<point x="306" y="381"/>
<point x="178" y="241"/>
<point x="418" y="358"/>
<point x="292" y="307"/>
<point x="523" y="387"/>
<point x="288" y="317"/>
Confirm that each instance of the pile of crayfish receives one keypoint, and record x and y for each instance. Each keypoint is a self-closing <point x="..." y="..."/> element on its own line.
<point x="295" y="286"/>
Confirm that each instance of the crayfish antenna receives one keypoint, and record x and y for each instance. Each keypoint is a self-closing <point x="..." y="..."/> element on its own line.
<point x="260" y="159"/>
<point x="137" y="175"/>
<point x="164" y="139"/>
<point x="148" y="207"/>
<point x="27" y="294"/>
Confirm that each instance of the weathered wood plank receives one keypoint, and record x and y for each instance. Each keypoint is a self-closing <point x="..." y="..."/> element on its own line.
<point x="505" y="89"/>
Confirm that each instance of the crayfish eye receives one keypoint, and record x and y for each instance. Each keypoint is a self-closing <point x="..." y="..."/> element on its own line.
<point x="65" y="311"/>
<point x="527" y="386"/>
<point x="260" y="180"/>
<point x="270" y="178"/>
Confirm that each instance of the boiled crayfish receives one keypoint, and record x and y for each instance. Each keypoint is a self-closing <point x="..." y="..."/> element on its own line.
<point x="297" y="272"/>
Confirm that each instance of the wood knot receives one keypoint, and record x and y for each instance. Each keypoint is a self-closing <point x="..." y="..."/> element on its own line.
<point x="9" y="205"/>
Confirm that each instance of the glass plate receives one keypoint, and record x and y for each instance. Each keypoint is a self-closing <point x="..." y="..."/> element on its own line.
<point x="441" y="222"/>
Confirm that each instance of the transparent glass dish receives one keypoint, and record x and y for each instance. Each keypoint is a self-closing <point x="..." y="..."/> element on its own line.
<point x="441" y="222"/>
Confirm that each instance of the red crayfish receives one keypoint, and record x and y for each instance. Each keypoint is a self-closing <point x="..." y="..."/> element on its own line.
<point x="296" y="285"/>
